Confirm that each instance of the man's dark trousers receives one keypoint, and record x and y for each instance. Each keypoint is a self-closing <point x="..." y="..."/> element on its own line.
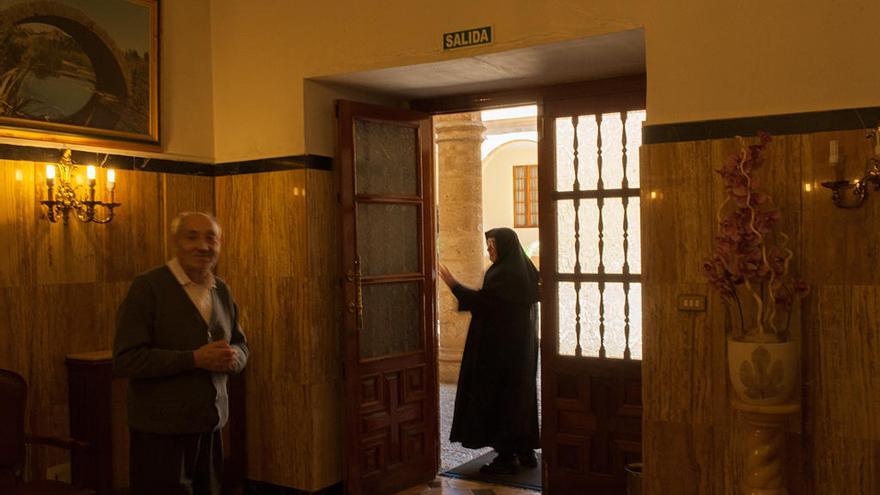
<point x="188" y="464"/>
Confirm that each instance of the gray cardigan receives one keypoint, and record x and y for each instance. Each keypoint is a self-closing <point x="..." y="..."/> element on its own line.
<point x="157" y="329"/>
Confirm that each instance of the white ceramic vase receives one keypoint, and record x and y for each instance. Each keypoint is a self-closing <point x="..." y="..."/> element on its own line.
<point x="764" y="373"/>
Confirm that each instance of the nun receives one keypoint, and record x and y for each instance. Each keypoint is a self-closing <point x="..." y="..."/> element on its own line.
<point x="496" y="400"/>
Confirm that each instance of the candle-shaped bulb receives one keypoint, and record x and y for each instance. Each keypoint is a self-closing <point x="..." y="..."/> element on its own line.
<point x="50" y="175"/>
<point x="111" y="179"/>
<point x="90" y="174"/>
<point x="833" y="152"/>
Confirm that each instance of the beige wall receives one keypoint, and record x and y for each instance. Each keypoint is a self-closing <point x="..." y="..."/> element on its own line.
<point x="186" y="116"/>
<point x="263" y="49"/>
<point x="705" y="60"/>
<point x="721" y="59"/>
<point x="232" y="72"/>
<point x="498" y="187"/>
<point x="319" y="108"/>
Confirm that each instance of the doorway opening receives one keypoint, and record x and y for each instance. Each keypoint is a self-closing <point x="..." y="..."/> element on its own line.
<point x="392" y="431"/>
<point x="487" y="177"/>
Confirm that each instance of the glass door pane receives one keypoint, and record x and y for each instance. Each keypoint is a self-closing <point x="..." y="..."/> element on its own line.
<point x="392" y="319"/>
<point x="386" y="159"/>
<point x="388" y="238"/>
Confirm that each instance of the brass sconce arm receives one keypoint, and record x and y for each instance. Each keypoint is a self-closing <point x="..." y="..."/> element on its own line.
<point x="61" y="198"/>
<point x="83" y="210"/>
<point x="852" y="193"/>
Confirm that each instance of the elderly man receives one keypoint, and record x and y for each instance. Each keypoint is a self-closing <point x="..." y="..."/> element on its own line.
<point x="177" y="339"/>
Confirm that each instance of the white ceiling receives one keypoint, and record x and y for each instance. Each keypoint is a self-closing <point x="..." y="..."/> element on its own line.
<point x="584" y="59"/>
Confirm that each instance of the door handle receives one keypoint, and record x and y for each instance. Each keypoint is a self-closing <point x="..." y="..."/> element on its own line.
<point x="357" y="306"/>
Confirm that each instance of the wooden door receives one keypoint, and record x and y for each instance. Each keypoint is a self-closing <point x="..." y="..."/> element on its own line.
<point x="387" y="236"/>
<point x="591" y="294"/>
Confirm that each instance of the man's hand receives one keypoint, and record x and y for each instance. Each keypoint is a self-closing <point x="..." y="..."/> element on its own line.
<point x="217" y="356"/>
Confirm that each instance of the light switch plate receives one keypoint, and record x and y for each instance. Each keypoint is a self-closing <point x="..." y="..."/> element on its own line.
<point x="691" y="302"/>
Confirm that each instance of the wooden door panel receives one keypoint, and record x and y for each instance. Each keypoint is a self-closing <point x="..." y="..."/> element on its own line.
<point x="572" y="454"/>
<point x="573" y="421"/>
<point x="395" y="422"/>
<point x="386" y="209"/>
<point x="591" y="401"/>
<point x="596" y="428"/>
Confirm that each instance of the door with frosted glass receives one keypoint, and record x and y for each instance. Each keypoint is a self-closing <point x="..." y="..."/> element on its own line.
<point x="387" y="249"/>
<point x="591" y="295"/>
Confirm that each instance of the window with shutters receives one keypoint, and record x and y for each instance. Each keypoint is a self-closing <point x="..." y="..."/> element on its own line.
<point x="525" y="196"/>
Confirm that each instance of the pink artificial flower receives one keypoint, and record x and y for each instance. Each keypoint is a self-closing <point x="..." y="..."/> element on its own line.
<point x="784" y="299"/>
<point x="800" y="288"/>
<point x="715" y="273"/>
<point x="747" y="233"/>
<point x="766" y="220"/>
<point x="776" y="258"/>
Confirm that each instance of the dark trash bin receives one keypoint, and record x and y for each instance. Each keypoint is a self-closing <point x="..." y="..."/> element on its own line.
<point x="633" y="478"/>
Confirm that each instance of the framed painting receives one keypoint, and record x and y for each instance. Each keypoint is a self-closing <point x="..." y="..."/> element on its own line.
<point x="80" y="71"/>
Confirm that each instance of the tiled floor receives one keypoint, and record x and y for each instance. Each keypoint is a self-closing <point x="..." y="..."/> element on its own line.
<point x="452" y="486"/>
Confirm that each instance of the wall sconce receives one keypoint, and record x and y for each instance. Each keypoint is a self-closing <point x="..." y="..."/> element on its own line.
<point x="856" y="189"/>
<point x="62" y="197"/>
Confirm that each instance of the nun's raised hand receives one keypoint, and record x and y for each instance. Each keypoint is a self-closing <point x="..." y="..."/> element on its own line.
<point x="447" y="277"/>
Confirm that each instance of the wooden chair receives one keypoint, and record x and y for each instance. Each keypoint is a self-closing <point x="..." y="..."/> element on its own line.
<point x="13" y="401"/>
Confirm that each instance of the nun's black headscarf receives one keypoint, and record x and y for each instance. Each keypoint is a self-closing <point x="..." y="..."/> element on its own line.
<point x="512" y="277"/>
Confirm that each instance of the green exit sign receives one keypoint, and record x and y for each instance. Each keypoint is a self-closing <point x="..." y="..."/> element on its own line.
<point x="468" y="37"/>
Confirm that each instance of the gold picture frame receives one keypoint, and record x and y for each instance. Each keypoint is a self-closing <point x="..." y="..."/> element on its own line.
<point x="80" y="72"/>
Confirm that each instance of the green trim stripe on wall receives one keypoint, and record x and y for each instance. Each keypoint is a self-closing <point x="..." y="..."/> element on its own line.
<point x="123" y="162"/>
<point x="793" y="123"/>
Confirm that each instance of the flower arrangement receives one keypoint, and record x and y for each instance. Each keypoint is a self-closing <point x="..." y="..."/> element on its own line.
<point x="750" y="262"/>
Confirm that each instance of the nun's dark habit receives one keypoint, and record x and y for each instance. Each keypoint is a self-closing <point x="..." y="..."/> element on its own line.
<point x="496" y="401"/>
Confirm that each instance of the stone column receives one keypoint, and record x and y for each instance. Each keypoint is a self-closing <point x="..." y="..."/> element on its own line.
<point x="460" y="219"/>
